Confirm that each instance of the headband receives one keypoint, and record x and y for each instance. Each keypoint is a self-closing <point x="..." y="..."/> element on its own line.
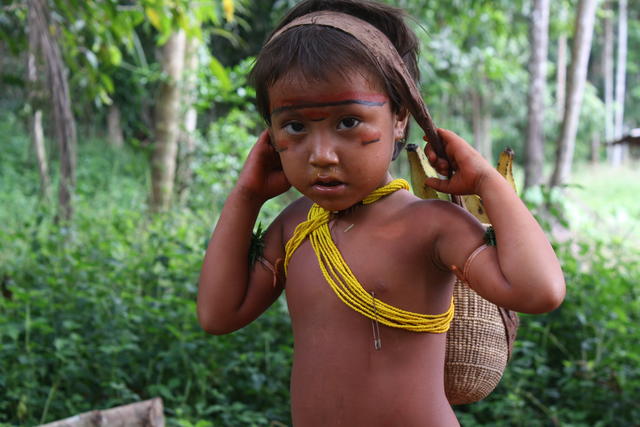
<point x="386" y="56"/>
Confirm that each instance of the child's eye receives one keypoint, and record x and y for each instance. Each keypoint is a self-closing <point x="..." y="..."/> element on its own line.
<point x="348" y="123"/>
<point x="293" y="128"/>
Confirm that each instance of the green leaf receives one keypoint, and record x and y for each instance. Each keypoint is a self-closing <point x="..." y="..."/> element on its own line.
<point x="107" y="82"/>
<point x="154" y="18"/>
<point x="220" y="73"/>
<point x="115" y="55"/>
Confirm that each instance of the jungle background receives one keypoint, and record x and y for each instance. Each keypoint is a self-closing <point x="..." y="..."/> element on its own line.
<point x="124" y="124"/>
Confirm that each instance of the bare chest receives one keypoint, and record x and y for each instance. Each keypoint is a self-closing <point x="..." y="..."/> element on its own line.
<point x="383" y="260"/>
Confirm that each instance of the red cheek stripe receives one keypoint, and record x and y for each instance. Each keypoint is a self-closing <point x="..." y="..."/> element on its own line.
<point x="370" y="136"/>
<point x="283" y="145"/>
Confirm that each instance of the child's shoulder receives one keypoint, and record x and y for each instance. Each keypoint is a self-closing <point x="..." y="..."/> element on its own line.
<point x="432" y="208"/>
<point x="436" y="215"/>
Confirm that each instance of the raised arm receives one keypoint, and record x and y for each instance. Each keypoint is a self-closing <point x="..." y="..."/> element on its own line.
<point x="522" y="271"/>
<point x="231" y="292"/>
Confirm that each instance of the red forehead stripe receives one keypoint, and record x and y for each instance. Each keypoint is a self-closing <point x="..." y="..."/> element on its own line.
<point x="372" y="100"/>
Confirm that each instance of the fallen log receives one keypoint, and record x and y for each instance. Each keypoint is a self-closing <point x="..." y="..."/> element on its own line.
<point x="148" y="413"/>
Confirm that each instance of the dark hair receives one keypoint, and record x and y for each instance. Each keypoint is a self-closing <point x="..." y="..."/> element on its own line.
<point x="317" y="51"/>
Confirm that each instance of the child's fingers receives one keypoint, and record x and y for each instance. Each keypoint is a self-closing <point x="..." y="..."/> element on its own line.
<point x="265" y="151"/>
<point x="264" y="141"/>
<point x="442" y="166"/>
<point x="441" y="185"/>
<point x="450" y="139"/>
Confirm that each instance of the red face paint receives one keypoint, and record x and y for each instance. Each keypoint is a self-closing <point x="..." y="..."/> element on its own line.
<point x="283" y="145"/>
<point x="332" y="100"/>
<point x="314" y="115"/>
<point x="369" y="136"/>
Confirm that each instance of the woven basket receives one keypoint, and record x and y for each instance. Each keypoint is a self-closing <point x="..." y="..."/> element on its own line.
<point x="479" y="344"/>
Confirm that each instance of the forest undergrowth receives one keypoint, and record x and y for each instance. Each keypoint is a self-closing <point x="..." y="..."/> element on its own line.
<point x="101" y="312"/>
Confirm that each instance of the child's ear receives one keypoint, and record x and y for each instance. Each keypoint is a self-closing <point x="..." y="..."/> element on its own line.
<point x="400" y="127"/>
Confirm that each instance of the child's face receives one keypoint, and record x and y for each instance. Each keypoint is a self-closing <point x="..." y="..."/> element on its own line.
<point x="335" y="137"/>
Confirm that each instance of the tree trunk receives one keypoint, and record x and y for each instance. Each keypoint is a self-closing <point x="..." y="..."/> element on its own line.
<point x="621" y="71"/>
<point x="114" y="126"/>
<point x="585" y="18"/>
<point x="539" y="36"/>
<point x="37" y="137"/>
<point x="35" y="100"/>
<point x="607" y="65"/>
<point x="481" y="120"/>
<point x="561" y="73"/>
<point x="595" y="148"/>
<point x="187" y="141"/>
<point x="64" y="122"/>
<point x="167" y="123"/>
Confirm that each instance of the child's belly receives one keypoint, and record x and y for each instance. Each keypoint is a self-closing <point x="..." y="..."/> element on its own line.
<point x="340" y="379"/>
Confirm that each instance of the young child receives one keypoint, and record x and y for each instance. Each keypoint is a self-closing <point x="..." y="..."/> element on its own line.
<point x="368" y="273"/>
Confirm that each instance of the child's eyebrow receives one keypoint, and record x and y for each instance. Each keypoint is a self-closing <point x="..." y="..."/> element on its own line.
<point x="366" y="100"/>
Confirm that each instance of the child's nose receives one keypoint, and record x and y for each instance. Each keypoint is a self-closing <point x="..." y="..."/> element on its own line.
<point x="323" y="152"/>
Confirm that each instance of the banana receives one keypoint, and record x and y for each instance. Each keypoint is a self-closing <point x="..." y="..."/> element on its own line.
<point x="473" y="203"/>
<point x="505" y="166"/>
<point x="420" y="169"/>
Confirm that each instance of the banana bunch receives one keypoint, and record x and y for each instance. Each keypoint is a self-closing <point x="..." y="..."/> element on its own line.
<point x="421" y="168"/>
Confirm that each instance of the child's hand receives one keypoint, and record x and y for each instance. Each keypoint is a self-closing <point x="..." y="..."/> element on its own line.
<point x="262" y="176"/>
<point x="469" y="168"/>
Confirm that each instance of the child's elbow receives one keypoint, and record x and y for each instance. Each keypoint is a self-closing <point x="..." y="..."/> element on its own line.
<point x="214" y="329"/>
<point x="551" y="299"/>
<point x="212" y="325"/>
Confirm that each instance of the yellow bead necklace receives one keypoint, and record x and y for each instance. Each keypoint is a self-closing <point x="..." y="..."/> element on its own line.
<point x="344" y="283"/>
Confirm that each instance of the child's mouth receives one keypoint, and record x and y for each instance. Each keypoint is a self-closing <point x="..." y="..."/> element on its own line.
<point x="328" y="184"/>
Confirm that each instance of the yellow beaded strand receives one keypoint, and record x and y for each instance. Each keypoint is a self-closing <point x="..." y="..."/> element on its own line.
<point x="344" y="283"/>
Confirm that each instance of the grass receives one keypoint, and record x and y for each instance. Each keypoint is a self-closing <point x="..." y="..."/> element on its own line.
<point x="605" y="201"/>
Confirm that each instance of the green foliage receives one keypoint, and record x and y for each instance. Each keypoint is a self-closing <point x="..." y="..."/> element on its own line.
<point x="578" y="366"/>
<point x="102" y="313"/>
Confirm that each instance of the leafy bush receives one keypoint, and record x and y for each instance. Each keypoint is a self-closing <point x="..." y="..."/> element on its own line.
<point x="102" y="312"/>
<point x="578" y="366"/>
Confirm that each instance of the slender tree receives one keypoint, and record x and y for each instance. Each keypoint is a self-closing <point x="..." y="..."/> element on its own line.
<point x="35" y="99"/>
<point x="64" y="122"/>
<point x="167" y="122"/>
<point x="539" y="38"/>
<point x="621" y="71"/>
<point x="561" y="70"/>
<point x="481" y="120"/>
<point x="607" y="65"/>
<point x="585" y="18"/>
<point x="114" y="126"/>
<point x="187" y="138"/>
